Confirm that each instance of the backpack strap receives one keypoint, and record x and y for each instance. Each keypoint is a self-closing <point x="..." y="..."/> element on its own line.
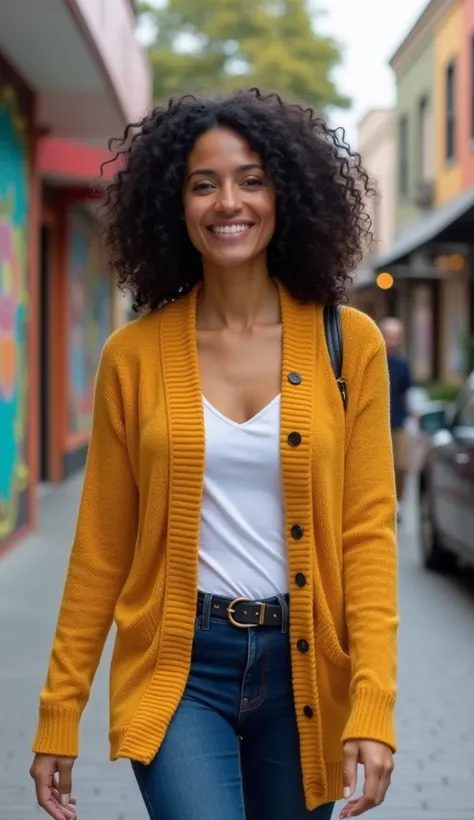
<point x="332" y="328"/>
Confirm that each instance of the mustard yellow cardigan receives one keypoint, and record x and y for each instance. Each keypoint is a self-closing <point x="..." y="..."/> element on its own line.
<point x="135" y="553"/>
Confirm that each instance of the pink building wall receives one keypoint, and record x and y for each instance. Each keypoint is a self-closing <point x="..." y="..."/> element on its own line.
<point x="111" y="28"/>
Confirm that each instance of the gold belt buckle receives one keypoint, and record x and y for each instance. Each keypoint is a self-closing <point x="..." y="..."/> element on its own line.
<point x="231" y="612"/>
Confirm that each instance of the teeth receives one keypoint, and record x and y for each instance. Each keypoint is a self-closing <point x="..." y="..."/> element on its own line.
<point x="230" y="228"/>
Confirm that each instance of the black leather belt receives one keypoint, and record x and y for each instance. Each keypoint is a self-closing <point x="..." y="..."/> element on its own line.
<point x="243" y="613"/>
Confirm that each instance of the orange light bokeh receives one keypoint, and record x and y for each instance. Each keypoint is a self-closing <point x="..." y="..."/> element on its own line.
<point x="385" y="281"/>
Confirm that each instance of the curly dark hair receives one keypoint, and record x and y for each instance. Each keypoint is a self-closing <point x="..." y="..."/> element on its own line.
<point x="322" y="226"/>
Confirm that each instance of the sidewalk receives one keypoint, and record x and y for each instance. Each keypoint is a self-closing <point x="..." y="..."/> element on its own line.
<point x="31" y="581"/>
<point x="435" y="766"/>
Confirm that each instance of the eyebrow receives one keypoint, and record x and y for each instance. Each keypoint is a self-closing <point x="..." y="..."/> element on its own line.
<point x="212" y="172"/>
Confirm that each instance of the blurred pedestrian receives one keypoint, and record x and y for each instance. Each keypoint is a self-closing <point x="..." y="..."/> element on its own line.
<point x="400" y="384"/>
<point x="236" y="522"/>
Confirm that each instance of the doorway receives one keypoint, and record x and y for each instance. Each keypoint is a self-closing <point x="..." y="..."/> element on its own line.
<point x="44" y="324"/>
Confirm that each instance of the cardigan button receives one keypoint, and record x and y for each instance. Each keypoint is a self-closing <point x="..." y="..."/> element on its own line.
<point x="294" y="378"/>
<point x="300" y="580"/>
<point x="297" y="532"/>
<point x="303" y="646"/>
<point x="308" y="712"/>
<point x="294" y="439"/>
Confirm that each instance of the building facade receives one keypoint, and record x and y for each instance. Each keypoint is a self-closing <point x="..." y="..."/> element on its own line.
<point x="415" y="149"/>
<point x="376" y="144"/>
<point x="466" y="87"/>
<point x="71" y="76"/>
<point x="447" y="40"/>
<point x="431" y="259"/>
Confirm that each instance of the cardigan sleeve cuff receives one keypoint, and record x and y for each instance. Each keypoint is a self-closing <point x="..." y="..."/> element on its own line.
<point x="58" y="732"/>
<point x="372" y="718"/>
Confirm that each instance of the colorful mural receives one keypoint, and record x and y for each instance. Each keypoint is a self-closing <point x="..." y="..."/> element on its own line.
<point x="89" y="295"/>
<point x="13" y="310"/>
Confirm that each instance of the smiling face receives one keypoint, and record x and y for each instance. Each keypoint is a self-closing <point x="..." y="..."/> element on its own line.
<point x="229" y="203"/>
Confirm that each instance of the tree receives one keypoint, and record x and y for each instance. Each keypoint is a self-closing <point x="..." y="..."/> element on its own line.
<point x="203" y="45"/>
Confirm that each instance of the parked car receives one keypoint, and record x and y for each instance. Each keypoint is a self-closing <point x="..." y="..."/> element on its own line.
<point x="446" y="482"/>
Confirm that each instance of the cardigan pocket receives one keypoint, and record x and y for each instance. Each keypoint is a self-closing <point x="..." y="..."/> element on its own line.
<point x="140" y="631"/>
<point x="327" y="640"/>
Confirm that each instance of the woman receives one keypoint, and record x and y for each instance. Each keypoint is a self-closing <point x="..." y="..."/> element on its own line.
<point x="236" y="523"/>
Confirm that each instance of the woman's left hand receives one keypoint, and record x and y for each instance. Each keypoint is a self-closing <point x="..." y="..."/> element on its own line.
<point x="377" y="760"/>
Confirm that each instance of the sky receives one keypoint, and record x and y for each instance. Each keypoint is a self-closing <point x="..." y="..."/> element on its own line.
<point x="369" y="32"/>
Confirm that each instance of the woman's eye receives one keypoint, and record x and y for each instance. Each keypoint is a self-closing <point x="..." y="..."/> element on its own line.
<point x="203" y="186"/>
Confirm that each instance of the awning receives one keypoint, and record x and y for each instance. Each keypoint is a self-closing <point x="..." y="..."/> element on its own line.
<point x="83" y="62"/>
<point x="66" y="161"/>
<point x="427" y="228"/>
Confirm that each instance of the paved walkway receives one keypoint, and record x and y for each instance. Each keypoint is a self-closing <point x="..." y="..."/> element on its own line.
<point x="435" y="766"/>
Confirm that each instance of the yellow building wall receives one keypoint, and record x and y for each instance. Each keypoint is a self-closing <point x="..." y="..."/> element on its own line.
<point x="447" y="43"/>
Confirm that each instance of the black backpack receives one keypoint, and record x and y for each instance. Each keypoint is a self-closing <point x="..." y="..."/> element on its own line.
<point x="332" y="327"/>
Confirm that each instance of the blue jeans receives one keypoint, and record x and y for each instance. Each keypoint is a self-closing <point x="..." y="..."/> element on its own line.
<point x="231" y="751"/>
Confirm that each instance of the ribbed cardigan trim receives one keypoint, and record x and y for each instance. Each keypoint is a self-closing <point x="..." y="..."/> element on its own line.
<point x="297" y="406"/>
<point x="178" y="348"/>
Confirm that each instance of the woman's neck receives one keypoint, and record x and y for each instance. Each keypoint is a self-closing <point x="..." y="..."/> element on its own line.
<point x="236" y="299"/>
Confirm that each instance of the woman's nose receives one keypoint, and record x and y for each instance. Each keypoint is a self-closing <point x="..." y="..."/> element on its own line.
<point x="229" y="199"/>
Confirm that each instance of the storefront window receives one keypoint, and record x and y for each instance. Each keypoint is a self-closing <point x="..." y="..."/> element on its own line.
<point x="89" y="314"/>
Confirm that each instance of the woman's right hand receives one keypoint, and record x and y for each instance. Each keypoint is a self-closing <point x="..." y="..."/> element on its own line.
<point x="53" y="783"/>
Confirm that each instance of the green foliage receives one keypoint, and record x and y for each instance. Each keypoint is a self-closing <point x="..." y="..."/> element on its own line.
<point x="444" y="392"/>
<point x="469" y="353"/>
<point x="204" y="45"/>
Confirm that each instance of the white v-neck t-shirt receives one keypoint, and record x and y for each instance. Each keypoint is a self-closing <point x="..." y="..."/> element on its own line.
<point x="242" y="548"/>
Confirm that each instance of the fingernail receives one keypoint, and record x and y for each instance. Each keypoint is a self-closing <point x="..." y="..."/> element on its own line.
<point x="347" y="792"/>
<point x="65" y="799"/>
